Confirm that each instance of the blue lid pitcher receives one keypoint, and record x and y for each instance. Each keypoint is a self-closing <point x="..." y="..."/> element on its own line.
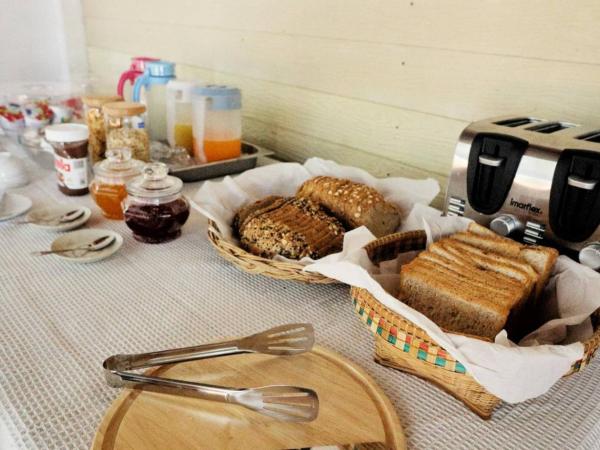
<point x="154" y="81"/>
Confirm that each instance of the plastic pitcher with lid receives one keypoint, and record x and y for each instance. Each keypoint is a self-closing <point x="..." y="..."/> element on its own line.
<point x="138" y="64"/>
<point x="154" y="81"/>
<point x="217" y="122"/>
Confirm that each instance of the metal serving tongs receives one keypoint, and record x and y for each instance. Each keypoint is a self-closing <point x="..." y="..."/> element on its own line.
<point x="287" y="403"/>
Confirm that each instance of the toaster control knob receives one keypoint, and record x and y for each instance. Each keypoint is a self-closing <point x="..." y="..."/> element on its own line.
<point x="505" y="224"/>
<point x="590" y="255"/>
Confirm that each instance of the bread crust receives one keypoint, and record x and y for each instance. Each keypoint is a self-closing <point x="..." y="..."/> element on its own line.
<point x="354" y="204"/>
<point x="293" y="227"/>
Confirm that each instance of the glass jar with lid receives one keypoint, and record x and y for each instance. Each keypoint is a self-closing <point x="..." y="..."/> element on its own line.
<point x="125" y="127"/>
<point x="111" y="175"/>
<point x="155" y="210"/>
<point x="94" y="118"/>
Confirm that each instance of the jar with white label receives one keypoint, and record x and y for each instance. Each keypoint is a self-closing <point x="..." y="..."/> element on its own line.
<point x="70" y="144"/>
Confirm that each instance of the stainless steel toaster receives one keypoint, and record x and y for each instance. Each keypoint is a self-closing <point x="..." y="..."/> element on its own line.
<point x="534" y="180"/>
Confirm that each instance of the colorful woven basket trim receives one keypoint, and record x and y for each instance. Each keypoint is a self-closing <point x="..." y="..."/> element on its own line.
<point x="408" y="343"/>
<point x="426" y="351"/>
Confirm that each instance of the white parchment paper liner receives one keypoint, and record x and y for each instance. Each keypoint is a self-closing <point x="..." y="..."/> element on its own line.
<point x="220" y="200"/>
<point x="512" y="373"/>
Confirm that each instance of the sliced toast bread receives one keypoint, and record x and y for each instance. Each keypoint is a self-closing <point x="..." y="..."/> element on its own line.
<point x="500" y="278"/>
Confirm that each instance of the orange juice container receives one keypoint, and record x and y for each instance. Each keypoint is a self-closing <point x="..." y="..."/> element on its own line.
<point x="179" y="114"/>
<point x="217" y="122"/>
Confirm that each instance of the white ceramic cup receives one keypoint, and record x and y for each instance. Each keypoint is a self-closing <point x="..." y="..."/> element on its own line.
<point x="12" y="171"/>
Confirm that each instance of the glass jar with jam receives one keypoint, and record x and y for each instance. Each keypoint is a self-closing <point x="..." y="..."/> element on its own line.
<point x="125" y="127"/>
<point x="155" y="210"/>
<point x="111" y="175"/>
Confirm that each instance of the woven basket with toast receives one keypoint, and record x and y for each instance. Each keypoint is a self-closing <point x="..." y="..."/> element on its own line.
<point x="403" y="345"/>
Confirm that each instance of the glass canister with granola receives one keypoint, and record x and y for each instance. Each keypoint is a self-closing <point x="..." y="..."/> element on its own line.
<point x="125" y="127"/>
<point x="95" y="121"/>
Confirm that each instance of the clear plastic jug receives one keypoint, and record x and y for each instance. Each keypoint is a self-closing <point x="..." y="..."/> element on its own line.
<point x="154" y="82"/>
<point x="179" y="114"/>
<point x="138" y="64"/>
<point x="217" y="122"/>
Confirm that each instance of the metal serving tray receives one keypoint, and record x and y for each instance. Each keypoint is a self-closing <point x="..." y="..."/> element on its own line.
<point x="250" y="154"/>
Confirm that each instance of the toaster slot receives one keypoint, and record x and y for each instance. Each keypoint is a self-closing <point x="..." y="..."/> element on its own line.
<point x="594" y="136"/>
<point x="493" y="163"/>
<point x="550" y="127"/>
<point x="575" y="195"/>
<point x="517" y="122"/>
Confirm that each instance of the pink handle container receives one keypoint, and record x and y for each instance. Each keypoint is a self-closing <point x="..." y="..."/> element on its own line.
<point x="136" y="69"/>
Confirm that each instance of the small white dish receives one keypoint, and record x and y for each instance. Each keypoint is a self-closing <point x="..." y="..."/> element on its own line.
<point x="12" y="171"/>
<point x="81" y="238"/>
<point x="43" y="217"/>
<point x="14" y="205"/>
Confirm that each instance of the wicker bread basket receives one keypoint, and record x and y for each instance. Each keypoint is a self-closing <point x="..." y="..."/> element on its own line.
<point x="255" y="264"/>
<point x="403" y="345"/>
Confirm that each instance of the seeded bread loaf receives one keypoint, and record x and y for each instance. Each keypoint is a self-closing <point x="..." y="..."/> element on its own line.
<point x="293" y="227"/>
<point x="354" y="204"/>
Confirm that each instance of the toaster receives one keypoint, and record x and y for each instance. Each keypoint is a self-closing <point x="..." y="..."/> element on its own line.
<point x="534" y="180"/>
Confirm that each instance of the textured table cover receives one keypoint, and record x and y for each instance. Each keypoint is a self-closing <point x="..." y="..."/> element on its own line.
<point x="58" y="321"/>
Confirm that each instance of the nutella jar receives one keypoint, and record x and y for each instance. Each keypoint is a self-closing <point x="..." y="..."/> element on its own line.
<point x="70" y="144"/>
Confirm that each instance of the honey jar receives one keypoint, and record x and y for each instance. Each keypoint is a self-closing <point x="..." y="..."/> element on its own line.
<point x="111" y="175"/>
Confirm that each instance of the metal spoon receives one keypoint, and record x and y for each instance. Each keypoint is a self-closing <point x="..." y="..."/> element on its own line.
<point x="64" y="218"/>
<point x="94" y="246"/>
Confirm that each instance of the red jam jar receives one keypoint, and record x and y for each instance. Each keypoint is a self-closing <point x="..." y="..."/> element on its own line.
<point x="155" y="210"/>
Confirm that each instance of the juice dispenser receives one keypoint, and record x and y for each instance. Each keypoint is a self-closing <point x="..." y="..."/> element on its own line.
<point x="179" y="114"/>
<point x="217" y="122"/>
<point x="154" y="81"/>
<point x="136" y="69"/>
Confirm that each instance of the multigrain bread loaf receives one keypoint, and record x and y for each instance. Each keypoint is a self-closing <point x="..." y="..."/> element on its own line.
<point x="291" y="227"/>
<point x="478" y="283"/>
<point x="355" y="204"/>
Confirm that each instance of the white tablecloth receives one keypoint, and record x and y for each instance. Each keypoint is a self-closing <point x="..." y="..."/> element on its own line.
<point x="58" y="321"/>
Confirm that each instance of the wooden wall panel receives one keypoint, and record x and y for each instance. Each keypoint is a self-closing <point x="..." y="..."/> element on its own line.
<point x="387" y="85"/>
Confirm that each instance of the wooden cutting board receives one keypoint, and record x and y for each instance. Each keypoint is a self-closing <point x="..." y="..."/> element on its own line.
<point x="353" y="409"/>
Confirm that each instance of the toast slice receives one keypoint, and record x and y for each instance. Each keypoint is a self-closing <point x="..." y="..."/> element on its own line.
<point x="520" y="272"/>
<point x="449" y="302"/>
<point x="542" y="259"/>
<point x="508" y="288"/>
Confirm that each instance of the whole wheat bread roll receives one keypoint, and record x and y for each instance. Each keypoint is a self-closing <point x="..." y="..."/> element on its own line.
<point x="355" y="204"/>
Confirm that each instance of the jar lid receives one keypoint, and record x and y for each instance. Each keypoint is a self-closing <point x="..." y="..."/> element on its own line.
<point x="118" y="165"/>
<point x="155" y="182"/>
<point x="67" y="132"/>
<point x="124" y="109"/>
<point x="138" y="63"/>
<point x="222" y="97"/>
<point x="160" y="68"/>
<point x="96" y="101"/>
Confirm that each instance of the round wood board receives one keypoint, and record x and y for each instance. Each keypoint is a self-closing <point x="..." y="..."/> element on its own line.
<point x="353" y="409"/>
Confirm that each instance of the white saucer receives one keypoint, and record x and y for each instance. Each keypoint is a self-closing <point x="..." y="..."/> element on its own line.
<point x="40" y="217"/>
<point x="14" y="205"/>
<point x="80" y="238"/>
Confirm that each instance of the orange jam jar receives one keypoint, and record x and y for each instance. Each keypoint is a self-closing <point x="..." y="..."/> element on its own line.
<point x="110" y="176"/>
